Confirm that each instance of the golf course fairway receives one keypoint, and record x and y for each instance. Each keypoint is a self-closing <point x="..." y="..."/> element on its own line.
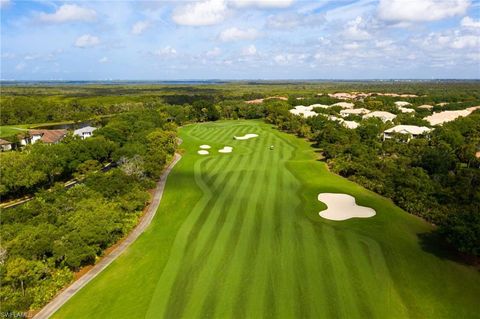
<point x="238" y="235"/>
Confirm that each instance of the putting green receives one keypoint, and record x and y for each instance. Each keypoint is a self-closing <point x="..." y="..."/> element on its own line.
<point x="238" y="236"/>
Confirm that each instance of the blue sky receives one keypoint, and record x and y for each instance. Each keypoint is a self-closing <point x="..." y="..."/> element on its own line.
<point x="239" y="39"/>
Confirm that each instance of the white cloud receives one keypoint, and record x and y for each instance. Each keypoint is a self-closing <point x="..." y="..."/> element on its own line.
<point x="139" y="27"/>
<point x="4" y="3"/>
<point x="420" y="10"/>
<point x="214" y="52"/>
<point x="8" y="55"/>
<point x="351" y="46"/>
<point x="203" y="13"/>
<point x="468" y="22"/>
<point x="441" y="42"/>
<point x="292" y="20"/>
<point x="288" y="58"/>
<point x="166" y="52"/>
<point x="355" y="30"/>
<point x="465" y="41"/>
<point x="262" y="3"/>
<point x="86" y="41"/>
<point x="282" y="58"/>
<point x="249" y="51"/>
<point x="69" y="13"/>
<point x="31" y="57"/>
<point x="234" y="34"/>
<point x="103" y="60"/>
<point x="20" y="66"/>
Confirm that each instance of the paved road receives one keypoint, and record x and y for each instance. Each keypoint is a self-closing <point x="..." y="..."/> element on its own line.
<point x="70" y="291"/>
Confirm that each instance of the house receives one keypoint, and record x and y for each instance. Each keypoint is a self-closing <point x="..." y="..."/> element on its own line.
<point x="323" y="106"/>
<point x="359" y="111"/>
<point x="85" y="132"/>
<point x="5" y="145"/>
<point x="401" y="103"/>
<point x="447" y="116"/>
<point x="305" y="111"/>
<point x="45" y="136"/>
<point x="411" y="130"/>
<point x="406" y="110"/>
<point x="350" y="124"/>
<point x="344" y="105"/>
<point x="425" y="107"/>
<point x="347" y="124"/>
<point x="384" y="116"/>
<point x="348" y="96"/>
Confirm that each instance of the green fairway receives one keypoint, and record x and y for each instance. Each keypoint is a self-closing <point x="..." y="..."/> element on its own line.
<point x="238" y="236"/>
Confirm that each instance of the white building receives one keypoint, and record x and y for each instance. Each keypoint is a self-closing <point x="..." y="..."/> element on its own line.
<point x="447" y="116"/>
<point x="384" y="116"/>
<point x="344" y="105"/>
<point x="5" y="145"/>
<point x="406" y="110"/>
<point x="323" y="106"/>
<point x="85" y="132"/>
<point x="359" y="111"/>
<point x="411" y="130"/>
<point x="426" y="107"/>
<point x="350" y="124"/>
<point x="305" y="111"/>
<point x="347" y="124"/>
<point x="401" y="103"/>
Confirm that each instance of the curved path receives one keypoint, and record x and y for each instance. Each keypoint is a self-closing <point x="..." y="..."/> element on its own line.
<point x="70" y="291"/>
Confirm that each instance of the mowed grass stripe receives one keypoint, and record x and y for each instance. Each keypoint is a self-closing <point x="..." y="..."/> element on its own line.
<point x="344" y="290"/>
<point x="285" y="238"/>
<point x="217" y="243"/>
<point x="160" y="277"/>
<point x="185" y="273"/>
<point x="161" y="295"/>
<point x="256" y="298"/>
<point x="182" y="272"/>
<point x="249" y="277"/>
<point x="319" y="294"/>
<point x="238" y="272"/>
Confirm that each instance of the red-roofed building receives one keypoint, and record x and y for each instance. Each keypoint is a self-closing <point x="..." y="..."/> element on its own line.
<point x="45" y="136"/>
<point x="5" y="145"/>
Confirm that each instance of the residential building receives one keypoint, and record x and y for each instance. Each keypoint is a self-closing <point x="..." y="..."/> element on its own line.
<point x="85" y="132"/>
<point x="411" y="130"/>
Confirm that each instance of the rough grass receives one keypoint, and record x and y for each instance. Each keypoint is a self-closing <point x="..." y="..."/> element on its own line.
<point x="11" y="130"/>
<point x="238" y="236"/>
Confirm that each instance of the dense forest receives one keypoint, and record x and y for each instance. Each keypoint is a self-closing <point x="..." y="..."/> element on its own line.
<point x="436" y="177"/>
<point x="62" y="230"/>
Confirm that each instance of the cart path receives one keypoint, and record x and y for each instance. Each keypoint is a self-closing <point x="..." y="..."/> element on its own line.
<point x="71" y="290"/>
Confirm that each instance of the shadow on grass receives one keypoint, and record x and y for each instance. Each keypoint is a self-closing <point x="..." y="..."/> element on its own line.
<point x="433" y="243"/>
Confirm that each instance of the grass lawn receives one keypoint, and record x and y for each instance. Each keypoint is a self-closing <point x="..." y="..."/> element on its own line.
<point x="10" y="130"/>
<point x="239" y="236"/>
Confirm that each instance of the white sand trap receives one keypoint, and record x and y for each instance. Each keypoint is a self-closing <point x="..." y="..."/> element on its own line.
<point x="226" y="149"/>
<point x="342" y="207"/>
<point x="203" y="152"/>
<point x="205" y="147"/>
<point x="245" y="137"/>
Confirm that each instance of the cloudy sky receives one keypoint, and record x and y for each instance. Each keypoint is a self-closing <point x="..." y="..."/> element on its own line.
<point x="240" y="39"/>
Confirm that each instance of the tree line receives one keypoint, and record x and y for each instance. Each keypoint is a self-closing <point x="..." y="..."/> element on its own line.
<point x="61" y="230"/>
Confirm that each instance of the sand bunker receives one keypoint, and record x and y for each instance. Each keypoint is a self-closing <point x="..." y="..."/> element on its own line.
<point x="203" y="152"/>
<point x="245" y="137"/>
<point x="226" y="149"/>
<point x="205" y="147"/>
<point x="342" y="207"/>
